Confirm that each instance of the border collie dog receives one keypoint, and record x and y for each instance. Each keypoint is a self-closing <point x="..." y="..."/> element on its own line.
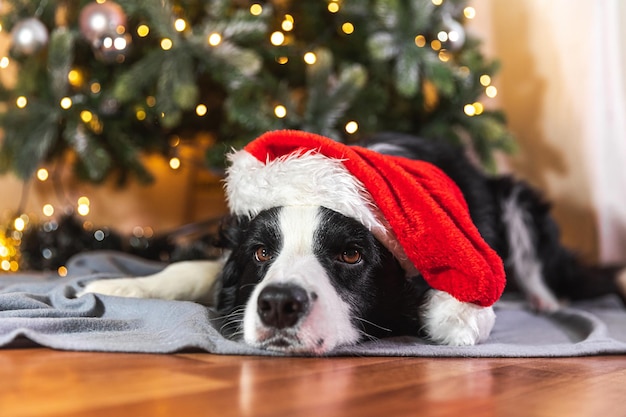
<point x="305" y="279"/>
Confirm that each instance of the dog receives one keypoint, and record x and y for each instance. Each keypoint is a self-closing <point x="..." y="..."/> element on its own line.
<point x="306" y="279"/>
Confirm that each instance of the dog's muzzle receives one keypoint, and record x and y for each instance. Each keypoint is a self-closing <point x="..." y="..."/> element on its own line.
<point x="281" y="306"/>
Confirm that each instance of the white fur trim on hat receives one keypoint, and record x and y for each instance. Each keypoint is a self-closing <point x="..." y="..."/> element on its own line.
<point x="305" y="178"/>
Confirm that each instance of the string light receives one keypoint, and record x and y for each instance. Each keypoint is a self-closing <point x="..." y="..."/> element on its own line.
<point x="282" y="60"/>
<point x="47" y="210"/>
<point x="214" y="39"/>
<point x="143" y="31"/>
<point x="86" y="116"/>
<point x="485" y="80"/>
<point x="444" y="56"/>
<point x="166" y="44"/>
<point x="351" y="127"/>
<point x="469" y="110"/>
<point x="62" y="271"/>
<point x="435" y="45"/>
<point x="491" y="91"/>
<point x="420" y="41"/>
<point x="174" y="163"/>
<point x="201" y="110"/>
<point x="95" y="87"/>
<point x="75" y="77"/>
<point x="140" y="114"/>
<point x="256" y="9"/>
<point x="83" y="206"/>
<point x="287" y="24"/>
<point x="4" y="62"/>
<point x="151" y="101"/>
<point x="310" y="58"/>
<point x="277" y="38"/>
<point x="280" y="111"/>
<point x="333" y="7"/>
<point x="42" y="174"/>
<point x="469" y="12"/>
<point x="347" y="28"/>
<point x="19" y="224"/>
<point x="65" y="103"/>
<point x="442" y="36"/>
<point x="180" y="25"/>
<point x="21" y="102"/>
<point x="479" y="108"/>
<point x="437" y="2"/>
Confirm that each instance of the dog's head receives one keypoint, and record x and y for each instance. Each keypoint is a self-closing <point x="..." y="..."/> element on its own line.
<point x="306" y="279"/>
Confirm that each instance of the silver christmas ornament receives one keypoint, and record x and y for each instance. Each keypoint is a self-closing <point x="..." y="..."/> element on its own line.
<point x="29" y="36"/>
<point x="100" y="20"/>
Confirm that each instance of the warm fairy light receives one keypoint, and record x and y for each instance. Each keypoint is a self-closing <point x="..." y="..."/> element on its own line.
<point x="143" y="31"/>
<point x="21" y="102"/>
<point x="442" y="36"/>
<point x="201" y="110"/>
<point x="277" y="38"/>
<point x="42" y="174"/>
<point x="347" y="28"/>
<point x="214" y="39"/>
<point x="151" y="101"/>
<point x="4" y="62"/>
<point x="174" y="141"/>
<point x="75" y="78"/>
<point x="444" y="56"/>
<point x="120" y="43"/>
<point x="174" y="163"/>
<point x="86" y="116"/>
<point x="256" y="9"/>
<point x="454" y="36"/>
<point x="420" y="41"/>
<point x="282" y="60"/>
<point x="333" y="7"/>
<point x="95" y="88"/>
<point x="310" y="58"/>
<point x="287" y="24"/>
<point x="83" y="200"/>
<point x="436" y="45"/>
<point x="469" y="109"/>
<point x="351" y="127"/>
<point x="47" y="210"/>
<point x="437" y="2"/>
<point x="280" y="111"/>
<point x="469" y="12"/>
<point x="65" y="103"/>
<point x="140" y="114"/>
<point x="83" y="209"/>
<point x="180" y="25"/>
<point x="5" y="265"/>
<point x="491" y="91"/>
<point x="62" y="271"/>
<point x="166" y="44"/>
<point x="485" y="80"/>
<point x="478" y="108"/>
<point x="19" y="224"/>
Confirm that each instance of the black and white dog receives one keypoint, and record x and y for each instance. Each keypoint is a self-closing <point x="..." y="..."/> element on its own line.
<point x="306" y="279"/>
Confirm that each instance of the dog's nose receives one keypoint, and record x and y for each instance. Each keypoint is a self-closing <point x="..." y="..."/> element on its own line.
<point x="282" y="305"/>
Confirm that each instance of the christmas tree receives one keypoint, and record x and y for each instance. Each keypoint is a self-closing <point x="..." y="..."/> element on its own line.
<point x="99" y="83"/>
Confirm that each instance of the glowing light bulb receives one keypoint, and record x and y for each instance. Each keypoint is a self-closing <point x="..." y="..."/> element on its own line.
<point x="442" y="36"/>
<point x="75" y="78"/>
<point x="333" y="7"/>
<point x="48" y="210"/>
<point x="287" y="24"/>
<point x="310" y="58"/>
<point x="469" y="12"/>
<point x="21" y="102"/>
<point x="277" y="38"/>
<point x="282" y="60"/>
<point x="280" y="111"/>
<point x="485" y="80"/>
<point x="437" y="2"/>
<point x="62" y="271"/>
<point x="420" y="41"/>
<point x="201" y="110"/>
<point x="491" y="91"/>
<point x="143" y="31"/>
<point x="65" y="103"/>
<point x="86" y="116"/>
<point x="140" y="114"/>
<point x="42" y="174"/>
<point x="166" y="44"/>
<point x="174" y="163"/>
<point x="469" y="109"/>
<point x="351" y="127"/>
<point x="180" y="25"/>
<point x="256" y="9"/>
<point x="19" y="224"/>
<point x="4" y="62"/>
<point x="478" y="108"/>
<point x="95" y="88"/>
<point x="214" y="39"/>
<point x="347" y="28"/>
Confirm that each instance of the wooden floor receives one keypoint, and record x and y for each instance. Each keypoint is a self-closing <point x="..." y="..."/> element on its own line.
<point x="43" y="382"/>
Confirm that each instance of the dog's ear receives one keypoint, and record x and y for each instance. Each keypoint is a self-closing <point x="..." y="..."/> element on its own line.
<point x="231" y="231"/>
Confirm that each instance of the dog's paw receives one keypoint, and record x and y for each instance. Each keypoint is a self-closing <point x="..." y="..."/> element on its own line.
<point x="120" y="287"/>
<point x="448" y="321"/>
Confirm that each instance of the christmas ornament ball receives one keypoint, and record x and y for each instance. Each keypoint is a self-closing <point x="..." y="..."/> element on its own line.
<point x="98" y="20"/>
<point x="29" y="36"/>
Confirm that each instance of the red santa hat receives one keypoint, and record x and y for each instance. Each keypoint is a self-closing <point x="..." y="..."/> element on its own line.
<point x="412" y="207"/>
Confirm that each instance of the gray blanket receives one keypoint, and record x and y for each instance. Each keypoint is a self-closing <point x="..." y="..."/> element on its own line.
<point x="43" y="310"/>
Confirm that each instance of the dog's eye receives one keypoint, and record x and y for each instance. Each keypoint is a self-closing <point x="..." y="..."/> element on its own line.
<point x="262" y="254"/>
<point x="350" y="256"/>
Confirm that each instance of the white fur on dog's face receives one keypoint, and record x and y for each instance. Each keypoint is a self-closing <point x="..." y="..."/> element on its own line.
<point x="327" y="323"/>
